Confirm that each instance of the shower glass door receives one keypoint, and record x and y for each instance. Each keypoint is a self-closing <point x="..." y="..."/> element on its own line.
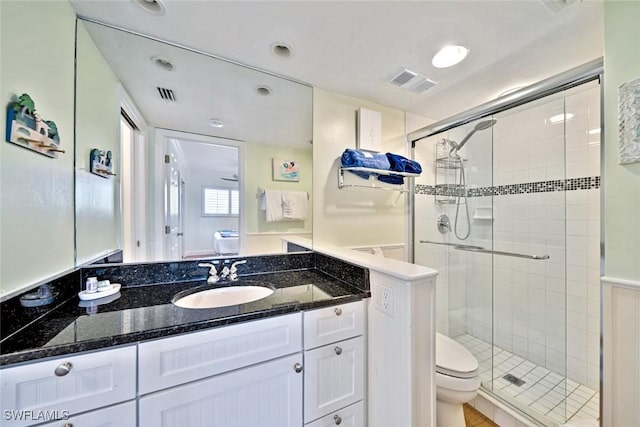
<point x="518" y="283"/>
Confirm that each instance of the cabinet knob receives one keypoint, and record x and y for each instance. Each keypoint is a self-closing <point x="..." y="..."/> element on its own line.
<point x="297" y="367"/>
<point x="337" y="419"/>
<point x="63" y="369"/>
<point x="338" y="311"/>
<point x="338" y="350"/>
<point x="68" y="425"/>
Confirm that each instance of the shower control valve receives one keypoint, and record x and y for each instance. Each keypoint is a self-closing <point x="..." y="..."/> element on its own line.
<point x="444" y="224"/>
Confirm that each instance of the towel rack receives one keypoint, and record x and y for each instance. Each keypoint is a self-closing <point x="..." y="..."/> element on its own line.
<point x="480" y="249"/>
<point x="261" y="193"/>
<point x="395" y="187"/>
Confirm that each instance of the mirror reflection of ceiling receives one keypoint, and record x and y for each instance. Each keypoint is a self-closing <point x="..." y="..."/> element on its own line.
<point x="355" y="47"/>
<point x="199" y="157"/>
<point x="203" y="94"/>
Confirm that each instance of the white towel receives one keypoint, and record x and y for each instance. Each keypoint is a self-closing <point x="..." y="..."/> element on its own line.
<point x="272" y="204"/>
<point x="294" y="205"/>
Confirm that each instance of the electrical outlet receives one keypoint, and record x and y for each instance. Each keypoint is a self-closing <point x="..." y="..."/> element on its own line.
<point x="383" y="300"/>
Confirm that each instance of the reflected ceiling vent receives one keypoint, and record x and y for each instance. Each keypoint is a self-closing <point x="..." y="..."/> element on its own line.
<point x="557" y="6"/>
<point x="166" y="94"/>
<point x="404" y="77"/>
<point x="412" y="81"/>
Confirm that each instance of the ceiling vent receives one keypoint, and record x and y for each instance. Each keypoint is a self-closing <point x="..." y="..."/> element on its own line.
<point x="422" y="85"/>
<point x="412" y="81"/>
<point x="404" y="77"/>
<point x="167" y="94"/>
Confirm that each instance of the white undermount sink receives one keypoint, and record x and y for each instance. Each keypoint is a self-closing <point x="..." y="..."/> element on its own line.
<point x="222" y="297"/>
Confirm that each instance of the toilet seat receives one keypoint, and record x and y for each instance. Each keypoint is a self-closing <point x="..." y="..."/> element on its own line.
<point x="453" y="360"/>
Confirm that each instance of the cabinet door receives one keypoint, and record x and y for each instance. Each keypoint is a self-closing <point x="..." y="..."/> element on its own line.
<point x="69" y="384"/>
<point x="333" y="377"/>
<point x="172" y="361"/>
<point x="351" y="416"/>
<point x="265" y="395"/>
<point x="123" y="415"/>
<point x="331" y="324"/>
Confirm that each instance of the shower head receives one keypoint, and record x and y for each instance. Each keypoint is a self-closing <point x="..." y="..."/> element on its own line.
<point x="485" y="124"/>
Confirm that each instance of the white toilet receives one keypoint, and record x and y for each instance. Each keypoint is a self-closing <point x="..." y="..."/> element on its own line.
<point x="457" y="381"/>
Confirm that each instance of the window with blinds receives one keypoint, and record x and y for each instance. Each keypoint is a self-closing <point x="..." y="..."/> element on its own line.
<point x="220" y="201"/>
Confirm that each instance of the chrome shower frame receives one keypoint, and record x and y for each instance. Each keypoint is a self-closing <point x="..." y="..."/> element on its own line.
<point x="591" y="70"/>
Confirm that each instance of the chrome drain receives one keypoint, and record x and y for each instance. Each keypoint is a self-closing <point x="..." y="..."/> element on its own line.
<point x="514" y="380"/>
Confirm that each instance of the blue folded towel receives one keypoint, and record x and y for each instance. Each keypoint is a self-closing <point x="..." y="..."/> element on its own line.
<point x="364" y="159"/>
<point x="402" y="164"/>
<point x="399" y="163"/>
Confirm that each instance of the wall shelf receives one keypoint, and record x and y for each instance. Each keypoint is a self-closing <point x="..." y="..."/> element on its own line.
<point x="372" y="181"/>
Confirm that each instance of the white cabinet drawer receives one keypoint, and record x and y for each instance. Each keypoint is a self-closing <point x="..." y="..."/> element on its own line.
<point x="351" y="416"/>
<point x="331" y="324"/>
<point x="264" y="395"/>
<point x="122" y="415"/>
<point x="93" y="380"/>
<point x="333" y="377"/>
<point x="171" y="361"/>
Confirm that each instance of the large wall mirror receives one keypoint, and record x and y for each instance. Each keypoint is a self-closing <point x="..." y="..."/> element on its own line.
<point x="174" y="149"/>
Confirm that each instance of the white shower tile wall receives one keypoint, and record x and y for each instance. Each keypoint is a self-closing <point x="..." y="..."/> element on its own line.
<point x="544" y="311"/>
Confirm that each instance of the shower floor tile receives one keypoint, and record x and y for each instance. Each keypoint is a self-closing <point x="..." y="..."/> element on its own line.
<point x="546" y="396"/>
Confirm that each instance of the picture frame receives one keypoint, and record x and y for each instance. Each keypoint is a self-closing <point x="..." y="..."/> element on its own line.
<point x="629" y="122"/>
<point x="285" y="170"/>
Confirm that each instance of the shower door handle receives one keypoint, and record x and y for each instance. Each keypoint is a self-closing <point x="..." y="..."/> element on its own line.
<point x="455" y="245"/>
<point x="489" y="251"/>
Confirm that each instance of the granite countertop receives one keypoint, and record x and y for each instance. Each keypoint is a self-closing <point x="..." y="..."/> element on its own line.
<point x="146" y="312"/>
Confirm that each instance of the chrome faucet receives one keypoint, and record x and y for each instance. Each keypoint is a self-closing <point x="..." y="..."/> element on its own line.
<point x="213" y="273"/>
<point x="233" y="272"/>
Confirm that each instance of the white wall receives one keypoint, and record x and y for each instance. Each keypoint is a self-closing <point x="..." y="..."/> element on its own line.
<point x="97" y="126"/>
<point x="37" y="191"/>
<point x="352" y="216"/>
<point x="621" y="304"/>
<point x="622" y="183"/>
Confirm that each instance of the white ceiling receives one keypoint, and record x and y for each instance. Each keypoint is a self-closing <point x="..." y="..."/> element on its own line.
<point x="354" y="47"/>
<point x="206" y="88"/>
<point x="201" y="157"/>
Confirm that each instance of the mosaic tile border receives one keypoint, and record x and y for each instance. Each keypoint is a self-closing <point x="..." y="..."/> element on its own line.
<point x="569" y="184"/>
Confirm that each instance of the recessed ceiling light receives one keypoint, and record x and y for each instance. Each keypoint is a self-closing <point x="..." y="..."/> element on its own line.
<point x="152" y="6"/>
<point x="282" y="50"/>
<point x="216" y="123"/>
<point x="263" y="90"/>
<point x="449" y="56"/>
<point x="162" y="62"/>
<point x="560" y="118"/>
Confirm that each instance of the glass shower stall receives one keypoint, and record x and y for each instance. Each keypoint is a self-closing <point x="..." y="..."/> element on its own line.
<point x="508" y="211"/>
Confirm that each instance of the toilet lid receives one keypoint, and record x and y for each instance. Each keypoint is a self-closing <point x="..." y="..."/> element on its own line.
<point x="453" y="359"/>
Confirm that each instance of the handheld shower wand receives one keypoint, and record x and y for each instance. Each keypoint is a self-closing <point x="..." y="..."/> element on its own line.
<point x="485" y="124"/>
<point x="455" y="147"/>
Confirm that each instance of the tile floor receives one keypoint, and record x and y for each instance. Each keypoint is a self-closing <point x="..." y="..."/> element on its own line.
<point x="546" y="396"/>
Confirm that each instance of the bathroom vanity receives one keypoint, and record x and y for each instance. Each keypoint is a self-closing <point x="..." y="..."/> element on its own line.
<point x="337" y="343"/>
<point x="294" y="358"/>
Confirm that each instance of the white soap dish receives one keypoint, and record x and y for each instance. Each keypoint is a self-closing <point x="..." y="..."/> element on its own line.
<point x="87" y="296"/>
<point x="484" y="213"/>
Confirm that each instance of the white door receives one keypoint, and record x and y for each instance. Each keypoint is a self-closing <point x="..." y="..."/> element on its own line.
<point x="173" y="212"/>
<point x="132" y="178"/>
<point x="333" y="377"/>
<point x="123" y="415"/>
<point x="264" y="395"/>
